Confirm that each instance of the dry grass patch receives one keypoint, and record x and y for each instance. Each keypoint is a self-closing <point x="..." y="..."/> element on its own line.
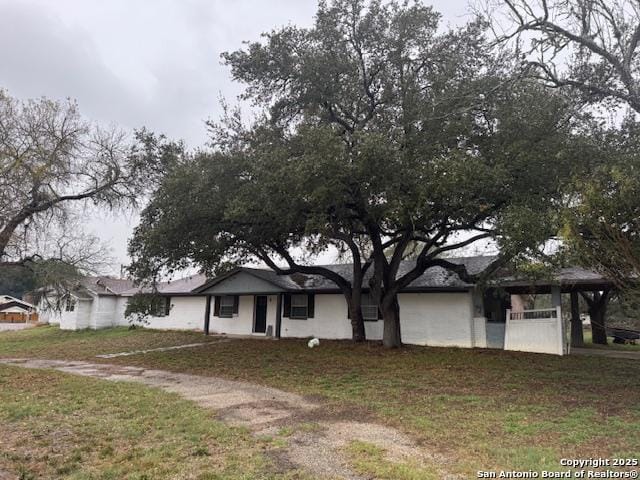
<point x="371" y="460"/>
<point x="56" y="425"/>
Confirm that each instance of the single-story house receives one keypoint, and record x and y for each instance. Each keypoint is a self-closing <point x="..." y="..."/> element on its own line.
<point x="100" y="302"/>
<point x="437" y="309"/>
<point x="15" y="310"/>
<point x="9" y="304"/>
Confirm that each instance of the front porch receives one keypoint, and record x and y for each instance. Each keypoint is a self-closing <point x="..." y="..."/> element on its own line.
<point x="509" y="324"/>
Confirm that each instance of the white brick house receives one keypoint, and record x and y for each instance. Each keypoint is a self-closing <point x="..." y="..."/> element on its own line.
<point x="438" y="309"/>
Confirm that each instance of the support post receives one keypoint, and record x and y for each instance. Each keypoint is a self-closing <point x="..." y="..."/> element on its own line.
<point x="207" y="315"/>
<point x="556" y="297"/>
<point x="556" y="301"/>
<point x="577" y="335"/>
<point x="563" y="343"/>
<point x="507" y="330"/>
<point x="279" y="315"/>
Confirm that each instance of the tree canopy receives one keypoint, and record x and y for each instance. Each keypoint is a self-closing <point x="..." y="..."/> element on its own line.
<point x="590" y="48"/>
<point x="54" y="164"/>
<point x="603" y="225"/>
<point x="378" y="132"/>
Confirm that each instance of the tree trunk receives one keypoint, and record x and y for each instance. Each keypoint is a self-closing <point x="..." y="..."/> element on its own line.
<point x="598" y="330"/>
<point x="598" y="313"/>
<point x="6" y="233"/>
<point x="391" y="315"/>
<point x="577" y="336"/>
<point x="354" y="301"/>
<point x="358" y="334"/>
<point x="354" y="307"/>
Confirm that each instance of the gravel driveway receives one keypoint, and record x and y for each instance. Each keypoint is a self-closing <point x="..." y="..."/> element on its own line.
<point x="266" y="411"/>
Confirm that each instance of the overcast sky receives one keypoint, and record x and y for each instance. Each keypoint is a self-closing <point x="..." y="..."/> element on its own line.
<point x="133" y="63"/>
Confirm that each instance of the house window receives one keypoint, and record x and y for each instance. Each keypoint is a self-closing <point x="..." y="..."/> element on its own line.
<point x="226" y="306"/>
<point x="369" y="309"/>
<point x="161" y="307"/>
<point x="299" y="307"/>
<point x="70" y="304"/>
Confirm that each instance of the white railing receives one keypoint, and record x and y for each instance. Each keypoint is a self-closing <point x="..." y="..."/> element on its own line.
<point x="539" y="314"/>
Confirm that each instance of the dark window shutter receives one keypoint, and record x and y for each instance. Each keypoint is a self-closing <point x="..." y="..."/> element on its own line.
<point x="236" y="303"/>
<point x="287" y="306"/>
<point x="167" y="306"/>
<point x="216" y="306"/>
<point x="379" y="314"/>
<point x="311" y="306"/>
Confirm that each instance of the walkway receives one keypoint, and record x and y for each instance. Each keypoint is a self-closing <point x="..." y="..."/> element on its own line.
<point x="160" y="349"/>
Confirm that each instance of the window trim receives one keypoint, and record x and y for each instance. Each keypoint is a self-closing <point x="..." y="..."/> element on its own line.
<point x="161" y="307"/>
<point x="305" y="306"/>
<point x="366" y="302"/>
<point x="70" y="304"/>
<point x="231" y="306"/>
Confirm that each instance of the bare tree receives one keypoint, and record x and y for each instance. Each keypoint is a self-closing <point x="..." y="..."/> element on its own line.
<point x="590" y="45"/>
<point x="53" y="161"/>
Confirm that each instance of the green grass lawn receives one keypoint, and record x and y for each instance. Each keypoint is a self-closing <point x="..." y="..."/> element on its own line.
<point x="51" y="342"/>
<point x="55" y="425"/>
<point x="483" y="409"/>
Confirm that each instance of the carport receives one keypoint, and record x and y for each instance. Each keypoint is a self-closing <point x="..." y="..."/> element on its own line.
<point x="546" y="330"/>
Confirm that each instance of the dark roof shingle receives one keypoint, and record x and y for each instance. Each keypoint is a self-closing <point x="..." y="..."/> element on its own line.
<point x="180" y="286"/>
<point x="436" y="278"/>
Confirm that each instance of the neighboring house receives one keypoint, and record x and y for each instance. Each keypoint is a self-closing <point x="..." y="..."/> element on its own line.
<point x="437" y="309"/>
<point x="9" y="304"/>
<point x="14" y="310"/>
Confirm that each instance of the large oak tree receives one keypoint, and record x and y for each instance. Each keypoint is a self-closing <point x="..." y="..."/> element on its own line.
<point x="379" y="135"/>
<point x="449" y="148"/>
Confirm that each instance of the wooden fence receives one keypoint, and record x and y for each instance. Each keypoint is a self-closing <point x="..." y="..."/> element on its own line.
<point x="18" y="317"/>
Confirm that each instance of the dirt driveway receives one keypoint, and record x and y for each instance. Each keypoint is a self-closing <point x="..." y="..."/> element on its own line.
<point x="317" y="437"/>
